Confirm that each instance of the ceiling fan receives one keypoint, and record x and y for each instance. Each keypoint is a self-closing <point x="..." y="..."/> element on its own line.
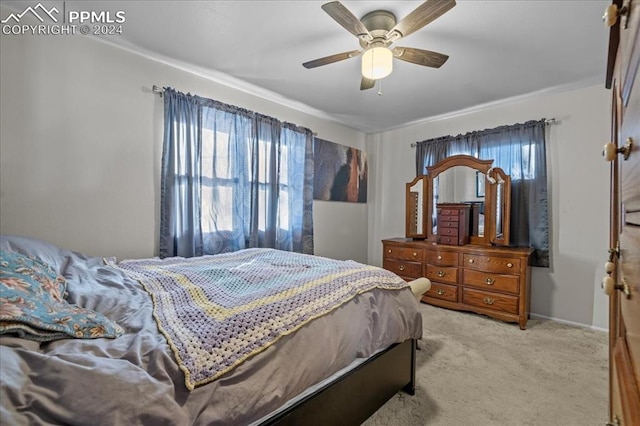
<point x="377" y="30"/>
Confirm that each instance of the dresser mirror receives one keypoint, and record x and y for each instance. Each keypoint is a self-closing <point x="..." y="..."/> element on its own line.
<point x="502" y="205"/>
<point x="461" y="180"/>
<point x="415" y="208"/>
<point x="458" y="185"/>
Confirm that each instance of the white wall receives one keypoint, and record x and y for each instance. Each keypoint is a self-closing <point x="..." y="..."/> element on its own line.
<point x="579" y="199"/>
<point x="80" y="147"/>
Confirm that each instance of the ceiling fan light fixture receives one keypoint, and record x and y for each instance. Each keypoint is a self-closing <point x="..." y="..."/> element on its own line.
<point x="377" y="62"/>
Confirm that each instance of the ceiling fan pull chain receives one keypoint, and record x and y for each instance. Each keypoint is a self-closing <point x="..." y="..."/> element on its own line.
<point x="380" y="87"/>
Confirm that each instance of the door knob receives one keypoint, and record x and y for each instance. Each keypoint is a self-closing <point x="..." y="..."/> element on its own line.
<point x="611" y="14"/>
<point x="610" y="150"/>
<point x="609" y="286"/>
<point x="609" y="267"/>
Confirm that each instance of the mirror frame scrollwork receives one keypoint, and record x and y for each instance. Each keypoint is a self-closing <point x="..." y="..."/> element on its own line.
<point x="492" y="211"/>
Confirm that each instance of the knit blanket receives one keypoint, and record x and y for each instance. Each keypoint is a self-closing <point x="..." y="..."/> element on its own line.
<point x="218" y="311"/>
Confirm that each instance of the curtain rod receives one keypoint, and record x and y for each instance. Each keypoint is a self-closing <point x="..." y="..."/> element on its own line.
<point x="159" y="90"/>
<point x="548" y="122"/>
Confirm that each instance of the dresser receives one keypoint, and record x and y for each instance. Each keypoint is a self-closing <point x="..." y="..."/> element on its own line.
<point x="494" y="281"/>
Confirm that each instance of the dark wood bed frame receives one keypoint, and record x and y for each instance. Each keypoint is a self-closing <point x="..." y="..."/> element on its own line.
<point x="355" y="396"/>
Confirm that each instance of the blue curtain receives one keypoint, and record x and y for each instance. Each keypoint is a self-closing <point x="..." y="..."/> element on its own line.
<point x="248" y="180"/>
<point x="520" y="150"/>
<point x="180" y="231"/>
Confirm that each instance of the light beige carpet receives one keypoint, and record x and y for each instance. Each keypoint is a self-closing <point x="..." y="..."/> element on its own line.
<point x="473" y="370"/>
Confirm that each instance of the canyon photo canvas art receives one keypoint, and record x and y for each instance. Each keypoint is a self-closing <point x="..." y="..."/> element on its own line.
<point x="340" y="172"/>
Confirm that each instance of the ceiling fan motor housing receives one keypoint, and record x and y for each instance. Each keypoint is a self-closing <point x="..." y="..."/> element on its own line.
<point x="379" y="23"/>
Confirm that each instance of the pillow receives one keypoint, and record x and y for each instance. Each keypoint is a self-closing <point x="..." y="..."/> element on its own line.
<point x="32" y="304"/>
<point x="53" y="255"/>
<point x="15" y="267"/>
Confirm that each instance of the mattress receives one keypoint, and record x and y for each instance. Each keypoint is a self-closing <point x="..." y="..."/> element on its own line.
<point x="134" y="379"/>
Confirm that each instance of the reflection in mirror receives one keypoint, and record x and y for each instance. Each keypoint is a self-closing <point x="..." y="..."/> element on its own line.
<point x="463" y="179"/>
<point x="415" y="208"/>
<point x="502" y="207"/>
<point x="458" y="185"/>
<point x="499" y="209"/>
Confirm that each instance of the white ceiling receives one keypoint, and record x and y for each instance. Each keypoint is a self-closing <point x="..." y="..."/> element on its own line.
<point x="497" y="50"/>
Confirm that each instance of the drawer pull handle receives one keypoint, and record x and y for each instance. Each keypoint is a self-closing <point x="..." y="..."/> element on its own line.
<point x="389" y="251"/>
<point x="440" y="291"/>
<point x="439" y="257"/>
<point x="488" y="301"/>
<point x="509" y="265"/>
<point x="401" y="267"/>
<point x="471" y="261"/>
<point x="440" y="274"/>
<point x="489" y="281"/>
<point x="415" y="254"/>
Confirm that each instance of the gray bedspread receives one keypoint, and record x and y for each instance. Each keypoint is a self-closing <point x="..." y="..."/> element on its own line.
<point x="134" y="379"/>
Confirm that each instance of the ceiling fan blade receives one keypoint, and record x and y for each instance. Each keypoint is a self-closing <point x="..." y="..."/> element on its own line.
<point x="342" y="16"/>
<point x="427" y="12"/>
<point x="426" y="58"/>
<point x="331" y="59"/>
<point x="367" y="83"/>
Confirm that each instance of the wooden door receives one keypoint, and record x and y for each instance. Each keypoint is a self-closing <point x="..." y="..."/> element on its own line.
<point x="624" y="314"/>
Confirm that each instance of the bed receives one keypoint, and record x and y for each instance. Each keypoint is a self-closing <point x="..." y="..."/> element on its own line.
<point x="337" y="367"/>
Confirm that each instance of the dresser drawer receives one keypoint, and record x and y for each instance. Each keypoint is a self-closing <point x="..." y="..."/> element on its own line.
<point x="489" y="281"/>
<point x="447" y="224"/>
<point x="449" y="212"/>
<point x="403" y="268"/>
<point x="489" y="300"/>
<point x="451" y="241"/>
<point x="445" y="218"/>
<point x="443" y="291"/>
<point x="498" y="264"/>
<point x="442" y="274"/>
<point x="443" y="258"/>
<point x="448" y="232"/>
<point x="403" y="253"/>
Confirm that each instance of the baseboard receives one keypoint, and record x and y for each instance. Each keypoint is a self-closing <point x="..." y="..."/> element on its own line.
<point x="573" y="323"/>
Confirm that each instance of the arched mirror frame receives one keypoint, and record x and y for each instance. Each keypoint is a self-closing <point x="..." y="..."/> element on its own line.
<point x="416" y="207"/>
<point x="490" y="207"/>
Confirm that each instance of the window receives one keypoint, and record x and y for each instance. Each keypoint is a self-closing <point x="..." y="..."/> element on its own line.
<point x="217" y="199"/>
<point x="233" y="179"/>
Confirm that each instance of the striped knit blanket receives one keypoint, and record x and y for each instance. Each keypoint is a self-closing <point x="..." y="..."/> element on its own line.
<point x="217" y="311"/>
